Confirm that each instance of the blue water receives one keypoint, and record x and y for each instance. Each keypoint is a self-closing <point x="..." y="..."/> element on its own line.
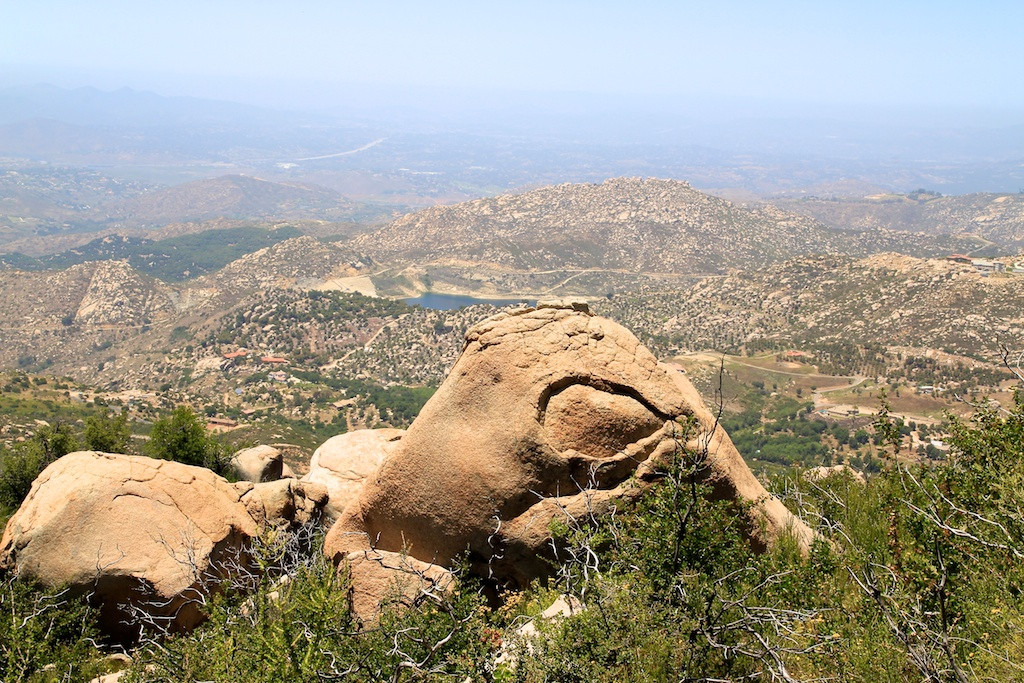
<point x="447" y="302"/>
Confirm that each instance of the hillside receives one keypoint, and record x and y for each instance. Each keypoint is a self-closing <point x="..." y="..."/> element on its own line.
<point x="234" y="196"/>
<point x="37" y="200"/>
<point x="75" y="318"/>
<point x="995" y="217"/>
<point x="885" y="299"/>
<point x="45" y="210"/>
<point x="630" y="224"/>
<point x="173" y="259"/>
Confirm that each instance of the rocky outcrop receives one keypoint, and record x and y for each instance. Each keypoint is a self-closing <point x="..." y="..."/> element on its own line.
<point x="144" y="537"/>
<point x="119" y="295"/>
<point x="548" y="414"/>
<point x="345" y="461"/>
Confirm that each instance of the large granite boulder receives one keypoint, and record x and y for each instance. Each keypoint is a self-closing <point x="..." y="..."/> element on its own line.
<point x="549" y="413"/>
<point x="344" y="462"/>
<point x="144" y="537"/>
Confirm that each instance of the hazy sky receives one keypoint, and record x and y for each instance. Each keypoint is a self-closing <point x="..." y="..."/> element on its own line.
<point x="932" y="52"/>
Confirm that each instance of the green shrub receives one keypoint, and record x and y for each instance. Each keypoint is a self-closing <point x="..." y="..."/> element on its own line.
<point x="20" y="465"/>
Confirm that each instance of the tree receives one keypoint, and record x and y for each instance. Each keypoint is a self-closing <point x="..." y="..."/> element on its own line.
<point x="56" y="441"/>
<point x="182" y="437"/>
<point x="107" y="434"/>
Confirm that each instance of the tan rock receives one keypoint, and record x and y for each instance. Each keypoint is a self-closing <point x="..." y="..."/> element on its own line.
<point x="344" y="462"/>
<point x="142" y="535"/>
<point x="547" y="413"/>
<point x="822" y="472"/>
<point x="260" y="463"/>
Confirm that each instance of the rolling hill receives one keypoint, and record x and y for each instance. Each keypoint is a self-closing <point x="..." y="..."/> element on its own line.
<point x="887" y="299"/>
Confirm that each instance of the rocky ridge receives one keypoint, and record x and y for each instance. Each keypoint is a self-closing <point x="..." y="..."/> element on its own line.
<point x="633" y="224"/>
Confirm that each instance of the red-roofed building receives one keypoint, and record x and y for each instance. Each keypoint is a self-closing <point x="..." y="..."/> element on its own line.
<point x="273" y="359"/>
<point x="241" y="353"/>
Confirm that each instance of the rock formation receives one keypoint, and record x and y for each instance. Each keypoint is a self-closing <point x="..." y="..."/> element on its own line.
<point x="548" y="413"/>
<point x="344" y="462"/>
<point x="143" y="536"/>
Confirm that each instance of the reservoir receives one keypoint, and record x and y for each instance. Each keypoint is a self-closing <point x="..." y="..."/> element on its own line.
<point x="447" y="302"/>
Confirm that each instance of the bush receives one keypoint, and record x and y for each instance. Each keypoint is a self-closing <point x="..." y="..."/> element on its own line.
<point x="263" y="628"/>
<point x="44" y="630"/>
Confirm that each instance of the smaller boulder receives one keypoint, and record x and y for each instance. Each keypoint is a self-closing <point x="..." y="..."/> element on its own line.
<point x="258" y="464"/>
<point x="286" y="502"/>
<point x="391" y="578"/>
<point x="345" y="461"/>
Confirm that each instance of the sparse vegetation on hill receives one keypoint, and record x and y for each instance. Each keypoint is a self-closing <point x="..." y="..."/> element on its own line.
<point x="172" y="260"/>
<point x="636" y="225"/>
<point x="923" y="303"/>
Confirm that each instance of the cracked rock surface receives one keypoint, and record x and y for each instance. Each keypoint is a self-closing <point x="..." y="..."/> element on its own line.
<point x="547" y="412"/>
<point x="140" y="534"/>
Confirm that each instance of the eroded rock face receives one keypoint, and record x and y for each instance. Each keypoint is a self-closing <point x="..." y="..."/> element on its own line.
<point x="344" y="462"/>
<point x="547" y="412"/>
<point x="144" y="535"/>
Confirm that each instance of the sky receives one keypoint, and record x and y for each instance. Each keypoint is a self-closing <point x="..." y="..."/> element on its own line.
<point x="833" y="52"/>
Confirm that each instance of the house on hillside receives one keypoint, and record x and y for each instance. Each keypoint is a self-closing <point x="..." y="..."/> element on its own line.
<point x="220" y="424"/>
<point x="986" y="266"/>
<point x="960" y="258"/>
<point x="273" y="360"/>
<point x="241" y="353"/>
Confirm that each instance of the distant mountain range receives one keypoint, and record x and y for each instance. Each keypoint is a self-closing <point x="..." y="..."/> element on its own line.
<point x="122" y="108"/>
<point x="39" y="204"/>
<point x="406" y="151"/>
<point x="234" y="196"/>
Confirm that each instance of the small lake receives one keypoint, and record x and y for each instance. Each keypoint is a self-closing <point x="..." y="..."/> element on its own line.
<point x="447" y="302"/>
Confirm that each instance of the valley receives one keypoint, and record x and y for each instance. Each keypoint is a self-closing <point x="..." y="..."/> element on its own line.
<point x="511" y="343"/>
